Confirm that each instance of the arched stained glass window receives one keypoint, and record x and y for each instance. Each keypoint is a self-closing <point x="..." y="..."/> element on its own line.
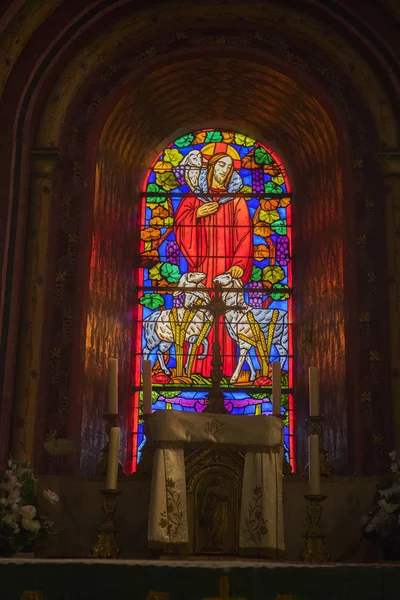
<point x="215" y="232"/>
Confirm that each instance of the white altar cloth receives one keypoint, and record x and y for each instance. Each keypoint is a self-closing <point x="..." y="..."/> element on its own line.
<point x="260" y="437"/>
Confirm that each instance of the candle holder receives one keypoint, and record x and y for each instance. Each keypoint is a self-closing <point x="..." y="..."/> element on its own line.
<point x="106" y="545"/>
<point x="111" y="420"/>
<point x="315" y="550"/>
<point x="315" y="427"/>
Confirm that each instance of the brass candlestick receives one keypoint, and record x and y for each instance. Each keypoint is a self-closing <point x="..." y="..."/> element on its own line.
<point x="111" y="420"/>
<point x="315" y="550"/>
<point x="315" y="427"/>
<point x="106" y="545"/>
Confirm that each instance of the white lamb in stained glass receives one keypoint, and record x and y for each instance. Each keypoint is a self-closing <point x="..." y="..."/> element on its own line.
<point x="247" y="326"/>
<point x="164" y="328"/>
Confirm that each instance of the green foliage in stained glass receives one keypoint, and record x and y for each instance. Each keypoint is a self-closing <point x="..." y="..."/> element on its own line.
<point x="170" y="394"/>
<point x="256" y="274"/>
<point x="268" y="216"/>
<point x="154" y="398"/>
<point x="285" y="401"/>
<point x="214" y="136"/>
<point x="167" y="181"/>
<point x="279" y="227"/>
<point x="152" y="301"/>
<point x="273" y="274"/>
<point x="272" y="188"/>
<point x="184" y="141"/>
<point x="170" y="272"/>
<point x="173" y="156"/>
<point x="244" y="140"/>
<point x="153" y="188"/>
<point x="262" y="157"/>
<point x="155" y="272"/>
<point x="280" y="295"/>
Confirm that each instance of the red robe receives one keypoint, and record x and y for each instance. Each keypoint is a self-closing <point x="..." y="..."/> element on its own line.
<point x="212" y="245"/>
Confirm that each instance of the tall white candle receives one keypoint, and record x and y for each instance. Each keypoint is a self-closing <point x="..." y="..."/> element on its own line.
<point x="276" y="388"/>
<point x="147" y="388"/>
<point x="113" y="455"/>
<point x="313" y="387"/>
<point x="112" y="386"/>
<point x="313" y="467"/>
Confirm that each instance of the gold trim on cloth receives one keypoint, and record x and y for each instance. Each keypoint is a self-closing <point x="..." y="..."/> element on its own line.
<point x="168" y="524"/>
<point x="261" y="518"/>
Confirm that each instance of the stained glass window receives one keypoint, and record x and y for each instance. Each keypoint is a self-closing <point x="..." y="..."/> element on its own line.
<point x="215" y="222"/>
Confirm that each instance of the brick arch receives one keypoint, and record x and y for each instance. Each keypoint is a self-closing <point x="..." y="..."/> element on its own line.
<point x="84" y="126"/>
<point x="329" y="80"/>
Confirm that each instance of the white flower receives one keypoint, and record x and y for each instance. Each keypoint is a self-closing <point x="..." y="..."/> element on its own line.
<point x="15" y="509"/>
<point x="8" y="519"/>
<point x="50" y="496"/>
<point x="385" y="493"/>
<point x="392" y="455"/>
<point x="370" y="527"/>
<point x="31" y="525"/>
<point x="14" y="499"/>
<point x="388" y="507"/>
<point x="28" y="512"/>
<point x="394" y="467"/>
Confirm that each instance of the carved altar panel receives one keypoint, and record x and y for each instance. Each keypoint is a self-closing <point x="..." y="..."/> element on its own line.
<point x="214" y="483"/>
<point x="216" y="510"/>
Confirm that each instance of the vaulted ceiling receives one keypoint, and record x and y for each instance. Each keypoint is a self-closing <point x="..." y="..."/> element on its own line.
<point x="240" y="94"/>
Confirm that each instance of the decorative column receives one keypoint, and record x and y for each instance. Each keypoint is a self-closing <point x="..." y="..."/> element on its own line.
<point x="44" y="163"/>
<point x="390" y="163"/>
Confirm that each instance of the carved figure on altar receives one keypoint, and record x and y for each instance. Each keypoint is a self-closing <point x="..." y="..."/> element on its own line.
<point x="213" y="229"/>
<point x="215" y="514"/>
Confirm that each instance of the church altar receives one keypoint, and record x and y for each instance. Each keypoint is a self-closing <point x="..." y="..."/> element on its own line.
<point x="260" y="523"/>
<point x="37" y="579"/>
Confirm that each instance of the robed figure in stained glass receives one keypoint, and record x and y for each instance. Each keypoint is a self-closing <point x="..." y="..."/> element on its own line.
<point x="213" y="229"/>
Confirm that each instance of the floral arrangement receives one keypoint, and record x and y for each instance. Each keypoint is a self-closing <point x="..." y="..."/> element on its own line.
<point x="20" y="523"/>
<point x="382" y="524"/>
